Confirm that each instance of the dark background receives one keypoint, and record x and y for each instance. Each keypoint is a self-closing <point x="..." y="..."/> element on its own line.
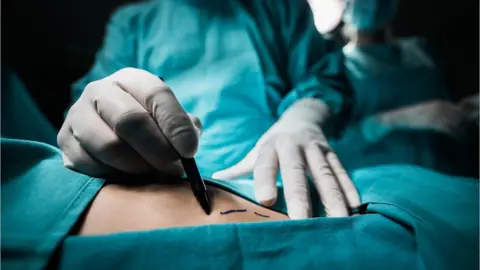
<point x="51" y="43"/>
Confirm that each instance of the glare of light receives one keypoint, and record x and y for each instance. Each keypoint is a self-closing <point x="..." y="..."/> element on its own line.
<point x="327" y="14"/>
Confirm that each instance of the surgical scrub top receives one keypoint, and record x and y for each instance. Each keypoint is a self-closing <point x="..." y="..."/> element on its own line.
<point x="236" y="65"/>
<point x="412" y="218"/>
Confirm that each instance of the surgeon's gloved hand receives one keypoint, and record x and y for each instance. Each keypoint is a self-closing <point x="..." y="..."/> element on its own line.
<point x="129" y="122"/>
<point x="437" y="115"/>
<point x="297" y="147"/>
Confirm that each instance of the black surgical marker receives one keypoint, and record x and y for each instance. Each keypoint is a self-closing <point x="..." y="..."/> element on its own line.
<point x="196" y="183"/>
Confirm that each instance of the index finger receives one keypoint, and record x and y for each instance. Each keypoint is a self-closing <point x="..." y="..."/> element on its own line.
<point x="158" y="99"/>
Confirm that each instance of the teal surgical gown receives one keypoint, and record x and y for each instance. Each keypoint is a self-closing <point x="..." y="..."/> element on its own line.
<point x="414" y="219"/>
<point x="237" y="65"/>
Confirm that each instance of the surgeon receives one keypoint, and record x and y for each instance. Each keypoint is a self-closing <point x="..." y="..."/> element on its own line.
<point x="245" y="70"/>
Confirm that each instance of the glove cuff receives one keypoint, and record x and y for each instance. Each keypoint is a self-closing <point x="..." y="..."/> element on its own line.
<point x="306" y="110"/>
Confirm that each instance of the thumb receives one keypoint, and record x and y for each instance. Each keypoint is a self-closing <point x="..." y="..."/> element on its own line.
<point x="245" y="166"/>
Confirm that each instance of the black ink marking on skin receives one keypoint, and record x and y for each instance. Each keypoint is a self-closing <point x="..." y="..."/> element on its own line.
<point x="258" y="214"/>
<point x="233" y="211"/>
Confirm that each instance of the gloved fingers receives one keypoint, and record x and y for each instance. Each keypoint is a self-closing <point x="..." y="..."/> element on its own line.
<point x="174" y="168"/>
<point x="265" y="175"/>
<point x="293" y="171"/>
<point x="197" y="124"/>
<point x="344" y="180"/>
<point x="245" y="166"/>
<point x="132" y="123"/>
<point x="322" y="177"/>
<point x="159" y="101"/>
<point x="76" y="158"/>
<point x="98" y="139"/>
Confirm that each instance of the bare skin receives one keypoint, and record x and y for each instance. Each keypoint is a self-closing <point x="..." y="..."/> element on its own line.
<point x="119" y="208"/>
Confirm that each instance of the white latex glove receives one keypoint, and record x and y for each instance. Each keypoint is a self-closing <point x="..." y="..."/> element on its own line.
<point x="129" y="122"/>
<point x="297" y="146"/>
<point x="441" y="116"/>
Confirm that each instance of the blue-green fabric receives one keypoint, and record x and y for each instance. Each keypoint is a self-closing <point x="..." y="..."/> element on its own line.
<point x="417" y="219"/>
<point x="21" y="118"/>
<point x="237" y="65"/>
<point x="41" y="201"/>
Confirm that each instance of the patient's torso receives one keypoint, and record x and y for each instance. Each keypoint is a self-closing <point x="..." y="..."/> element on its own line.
<point x="125" y="208"/>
